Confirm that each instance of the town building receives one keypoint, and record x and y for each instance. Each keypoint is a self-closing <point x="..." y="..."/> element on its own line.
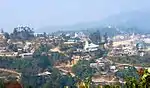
<point x="90" y="47"/>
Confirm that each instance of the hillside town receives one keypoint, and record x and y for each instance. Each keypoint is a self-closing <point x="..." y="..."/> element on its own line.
<point x="25" y="54"/>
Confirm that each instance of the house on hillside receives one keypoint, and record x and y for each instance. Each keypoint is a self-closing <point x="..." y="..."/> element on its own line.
<point x="72" y="41"/>
<point x="26" y="55"/>
<point x="104" y="79"/>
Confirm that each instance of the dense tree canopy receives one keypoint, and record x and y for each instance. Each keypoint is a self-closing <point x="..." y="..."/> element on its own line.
<point x="95" y="37"/>
<point x="23" y="33"/>
<point x="7" y="36"/>
<point x="43" y="49"/>
<point x="128" y="73"/>
<point x="82" y="69"/>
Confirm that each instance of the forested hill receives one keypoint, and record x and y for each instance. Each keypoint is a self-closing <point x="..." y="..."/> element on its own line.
<point x="136" y="21"/>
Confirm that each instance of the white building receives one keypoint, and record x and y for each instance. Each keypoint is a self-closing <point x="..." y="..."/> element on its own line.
<point x="44" y="73"/>
<point x="26" y="55"/>
<point x="90" y="47"/>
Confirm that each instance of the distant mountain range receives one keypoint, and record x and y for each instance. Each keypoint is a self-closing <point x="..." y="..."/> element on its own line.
<point x="136" y="21"/>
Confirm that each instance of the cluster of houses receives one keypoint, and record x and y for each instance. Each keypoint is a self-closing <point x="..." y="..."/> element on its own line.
<point x="11" y="48"/>
<point x="130" y="45"/>
<point x="122" y="45"/>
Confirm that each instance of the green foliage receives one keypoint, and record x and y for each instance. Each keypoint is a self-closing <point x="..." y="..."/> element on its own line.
<point x="131" y="82"/>
<point x="67" y="80"/>
<point x="28" y="87"/>
<point x="56" y="80"/>
<point x="130" y="72"/>
<point x="42" y="49"/>
<point x="82" y="69"/>
<point x="1" y="84"/>
<point x="55" y="56"/>
<point x="47" y="85"/>
<point x="15" y="63"/>
<point x="7" y="36"/>
<point x="100" y="53"/>
<point x="95" y="37"/>
<point x="145" y="80"/>
<point x="28" y="80"/>
<point x="29" y="68"/>
<point x="106" y="86"/>
<point x="20" y="63"/>
<point x="44" y="62"/>
<point x="132" y="60"/>
<point x="23" y="33"/>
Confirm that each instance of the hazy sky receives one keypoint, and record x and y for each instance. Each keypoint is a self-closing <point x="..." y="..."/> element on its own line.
<point x="41" y="13"/>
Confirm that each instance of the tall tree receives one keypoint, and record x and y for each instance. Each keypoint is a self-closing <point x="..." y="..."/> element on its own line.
<point x="44" y="34"/>
<point x="7" y="36"/>
<point x="106" y="37"/>
<point x="2" y="31"/>
<point x="23" y="33"/>
<point x="95" y="37"/>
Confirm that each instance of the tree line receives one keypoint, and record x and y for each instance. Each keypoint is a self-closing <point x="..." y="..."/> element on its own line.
<point x="22" y="33"/>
